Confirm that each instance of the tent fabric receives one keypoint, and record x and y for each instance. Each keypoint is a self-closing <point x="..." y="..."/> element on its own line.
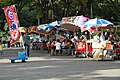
<point x="73" y="23"/>
<point x="42" y="27"/>
<point x="34" y="29"/>
<point x="45" y="28"/>
<point x="70" y="27"/>
<point x="49" y="26"/>
<point x="55" y="23"/>
<point x="22" y="29"/>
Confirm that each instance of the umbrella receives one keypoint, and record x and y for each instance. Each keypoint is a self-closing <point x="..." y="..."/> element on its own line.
<point x="34" y="29"/>
<point x="73" y="23"/>
<point x="42" y="27"/>
<point x="22" y="29"/>
<point x="70" y="27"/>
<point x="55" y="23"/>
<point x="96" y="23"/>
<point x="49" y="26"/>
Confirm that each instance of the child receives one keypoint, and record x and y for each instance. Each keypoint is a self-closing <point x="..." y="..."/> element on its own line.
<point x="1" y="49"/>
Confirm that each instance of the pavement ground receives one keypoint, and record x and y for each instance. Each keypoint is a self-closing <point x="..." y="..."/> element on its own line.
<point x="41" y="66"/>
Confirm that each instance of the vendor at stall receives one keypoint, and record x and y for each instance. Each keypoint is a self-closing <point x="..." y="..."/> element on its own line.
<point x="106" y="36"/>
<point x="97" y="41"/>
<point x="84" y="38"/>
<point x="99" y="38"/>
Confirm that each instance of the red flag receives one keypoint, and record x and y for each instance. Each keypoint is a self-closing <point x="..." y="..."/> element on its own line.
<point x="12" y="21"/>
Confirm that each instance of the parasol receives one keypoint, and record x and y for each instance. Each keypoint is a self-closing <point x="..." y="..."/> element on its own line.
<point x="96" y="23"/>
<point x="72" y="23"/>
<point x="22" y="29"/>
<point x="55" y="24"/>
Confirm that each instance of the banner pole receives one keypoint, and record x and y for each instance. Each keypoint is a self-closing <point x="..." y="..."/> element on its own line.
<point x="21" y="36"/>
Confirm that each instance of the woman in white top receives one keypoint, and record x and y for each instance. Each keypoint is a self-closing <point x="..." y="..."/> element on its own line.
<point x="58" y="46"/>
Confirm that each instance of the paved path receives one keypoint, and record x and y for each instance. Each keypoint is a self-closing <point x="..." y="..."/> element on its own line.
<point x="42" y="66"/>
<point x="35" y="55"/>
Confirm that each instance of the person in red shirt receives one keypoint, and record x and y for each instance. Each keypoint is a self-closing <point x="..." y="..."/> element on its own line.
<point x="111" y="37"/>
<point x="52" y="48"/>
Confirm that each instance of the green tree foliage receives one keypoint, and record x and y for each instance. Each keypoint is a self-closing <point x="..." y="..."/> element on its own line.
<point x="50" y="10"/>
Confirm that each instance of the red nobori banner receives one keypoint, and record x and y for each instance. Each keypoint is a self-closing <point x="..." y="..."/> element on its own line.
<point x="12" y="21"/>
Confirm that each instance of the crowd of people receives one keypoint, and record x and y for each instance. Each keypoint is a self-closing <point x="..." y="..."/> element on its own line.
<point x="68" y="45"/>
<point x="56" y="46"/>
<point x="106" y="36"/>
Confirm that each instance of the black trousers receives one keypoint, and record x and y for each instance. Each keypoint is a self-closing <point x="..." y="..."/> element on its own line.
<point x="27" y="49"/>
<point x="8" y="43"/>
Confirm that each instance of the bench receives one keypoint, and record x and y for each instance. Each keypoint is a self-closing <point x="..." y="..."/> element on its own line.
<point x="21" y="56"/>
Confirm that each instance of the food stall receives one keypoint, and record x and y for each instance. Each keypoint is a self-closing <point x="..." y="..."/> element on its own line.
<point x="101" y="49"/>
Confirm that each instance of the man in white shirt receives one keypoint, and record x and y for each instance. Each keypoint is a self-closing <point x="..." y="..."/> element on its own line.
<point x="41" y="42"/>
<point x="58" y="46"/>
